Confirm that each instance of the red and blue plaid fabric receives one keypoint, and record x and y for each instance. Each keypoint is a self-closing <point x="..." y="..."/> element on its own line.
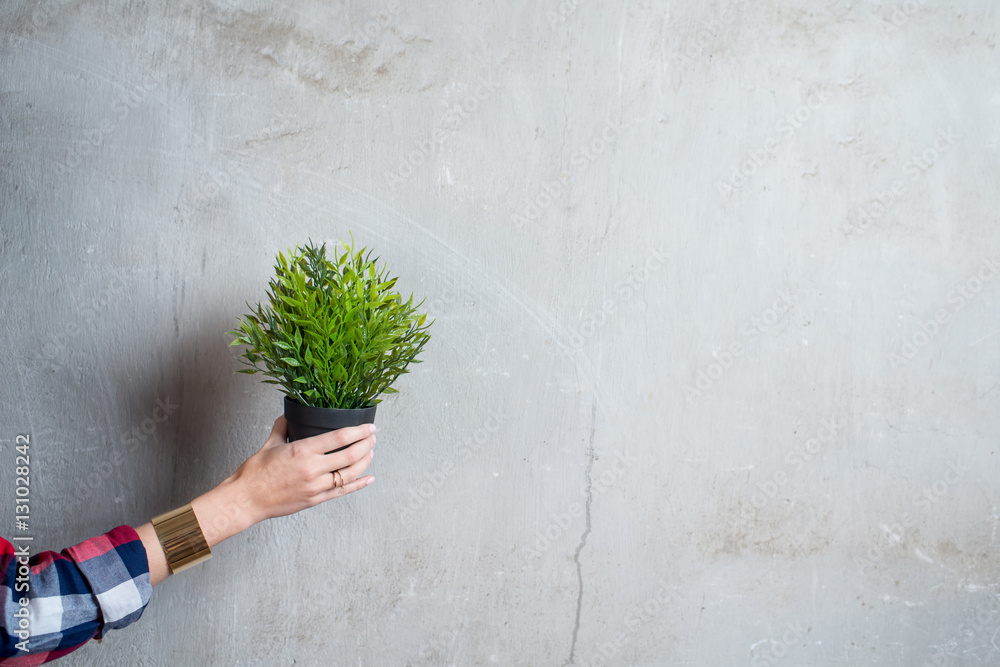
<point x="74" y="595"/>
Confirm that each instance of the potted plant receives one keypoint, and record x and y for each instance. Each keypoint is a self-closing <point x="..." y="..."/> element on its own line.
<point x="334" y="334"/>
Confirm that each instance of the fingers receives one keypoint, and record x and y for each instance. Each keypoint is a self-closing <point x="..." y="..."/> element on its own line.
<point x="351" y="487"/>
<point x="355" y="470"/>
<point x="346" y="458"/>
<point x="328" y="442"/>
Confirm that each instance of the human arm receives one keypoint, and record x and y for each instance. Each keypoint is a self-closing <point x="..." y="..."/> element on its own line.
<point x="282" y="478"/>
<point x="105" y="582"/>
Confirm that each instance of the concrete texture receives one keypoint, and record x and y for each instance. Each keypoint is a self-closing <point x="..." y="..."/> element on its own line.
<point x="714" y="375"/>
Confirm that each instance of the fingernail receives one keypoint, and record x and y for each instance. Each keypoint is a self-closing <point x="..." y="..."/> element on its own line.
<point x="371" y="427"/>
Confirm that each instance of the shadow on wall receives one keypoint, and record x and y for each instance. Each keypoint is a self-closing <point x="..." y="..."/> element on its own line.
<point x="179" y="433"/>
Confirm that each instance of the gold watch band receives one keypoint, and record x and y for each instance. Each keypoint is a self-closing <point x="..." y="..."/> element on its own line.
<point x="181" y="537"/>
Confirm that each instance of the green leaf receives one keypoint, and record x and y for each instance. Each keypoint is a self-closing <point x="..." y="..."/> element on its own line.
<point x="341" y="318"/>
<point x="290" y="301"/>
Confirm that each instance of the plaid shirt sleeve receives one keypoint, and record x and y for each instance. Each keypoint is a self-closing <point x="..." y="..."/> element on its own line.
<point x="73" y="596"/>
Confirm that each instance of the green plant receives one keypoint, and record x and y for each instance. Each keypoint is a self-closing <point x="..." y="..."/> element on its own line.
<point x="334" y="333"/>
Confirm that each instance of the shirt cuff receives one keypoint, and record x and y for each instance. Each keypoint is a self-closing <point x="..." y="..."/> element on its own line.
<point x="117" y="570"/>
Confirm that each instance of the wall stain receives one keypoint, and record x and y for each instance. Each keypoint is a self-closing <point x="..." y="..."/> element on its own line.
<point x="262" y="44"/>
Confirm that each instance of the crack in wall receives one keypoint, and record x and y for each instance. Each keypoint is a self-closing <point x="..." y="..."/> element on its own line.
<point x="583" y="538"/>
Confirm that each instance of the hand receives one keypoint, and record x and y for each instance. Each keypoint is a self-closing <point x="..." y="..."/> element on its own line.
<point x="283" y="478"/>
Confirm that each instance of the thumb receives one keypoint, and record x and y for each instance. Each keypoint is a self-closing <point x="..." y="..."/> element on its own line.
<point x="279" y="433"/>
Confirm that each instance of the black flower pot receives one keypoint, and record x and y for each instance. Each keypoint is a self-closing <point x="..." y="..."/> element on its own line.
<point x="305" y="421"/>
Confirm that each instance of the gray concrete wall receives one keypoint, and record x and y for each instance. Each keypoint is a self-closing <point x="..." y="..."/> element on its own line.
<point x="714" y="375"/>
